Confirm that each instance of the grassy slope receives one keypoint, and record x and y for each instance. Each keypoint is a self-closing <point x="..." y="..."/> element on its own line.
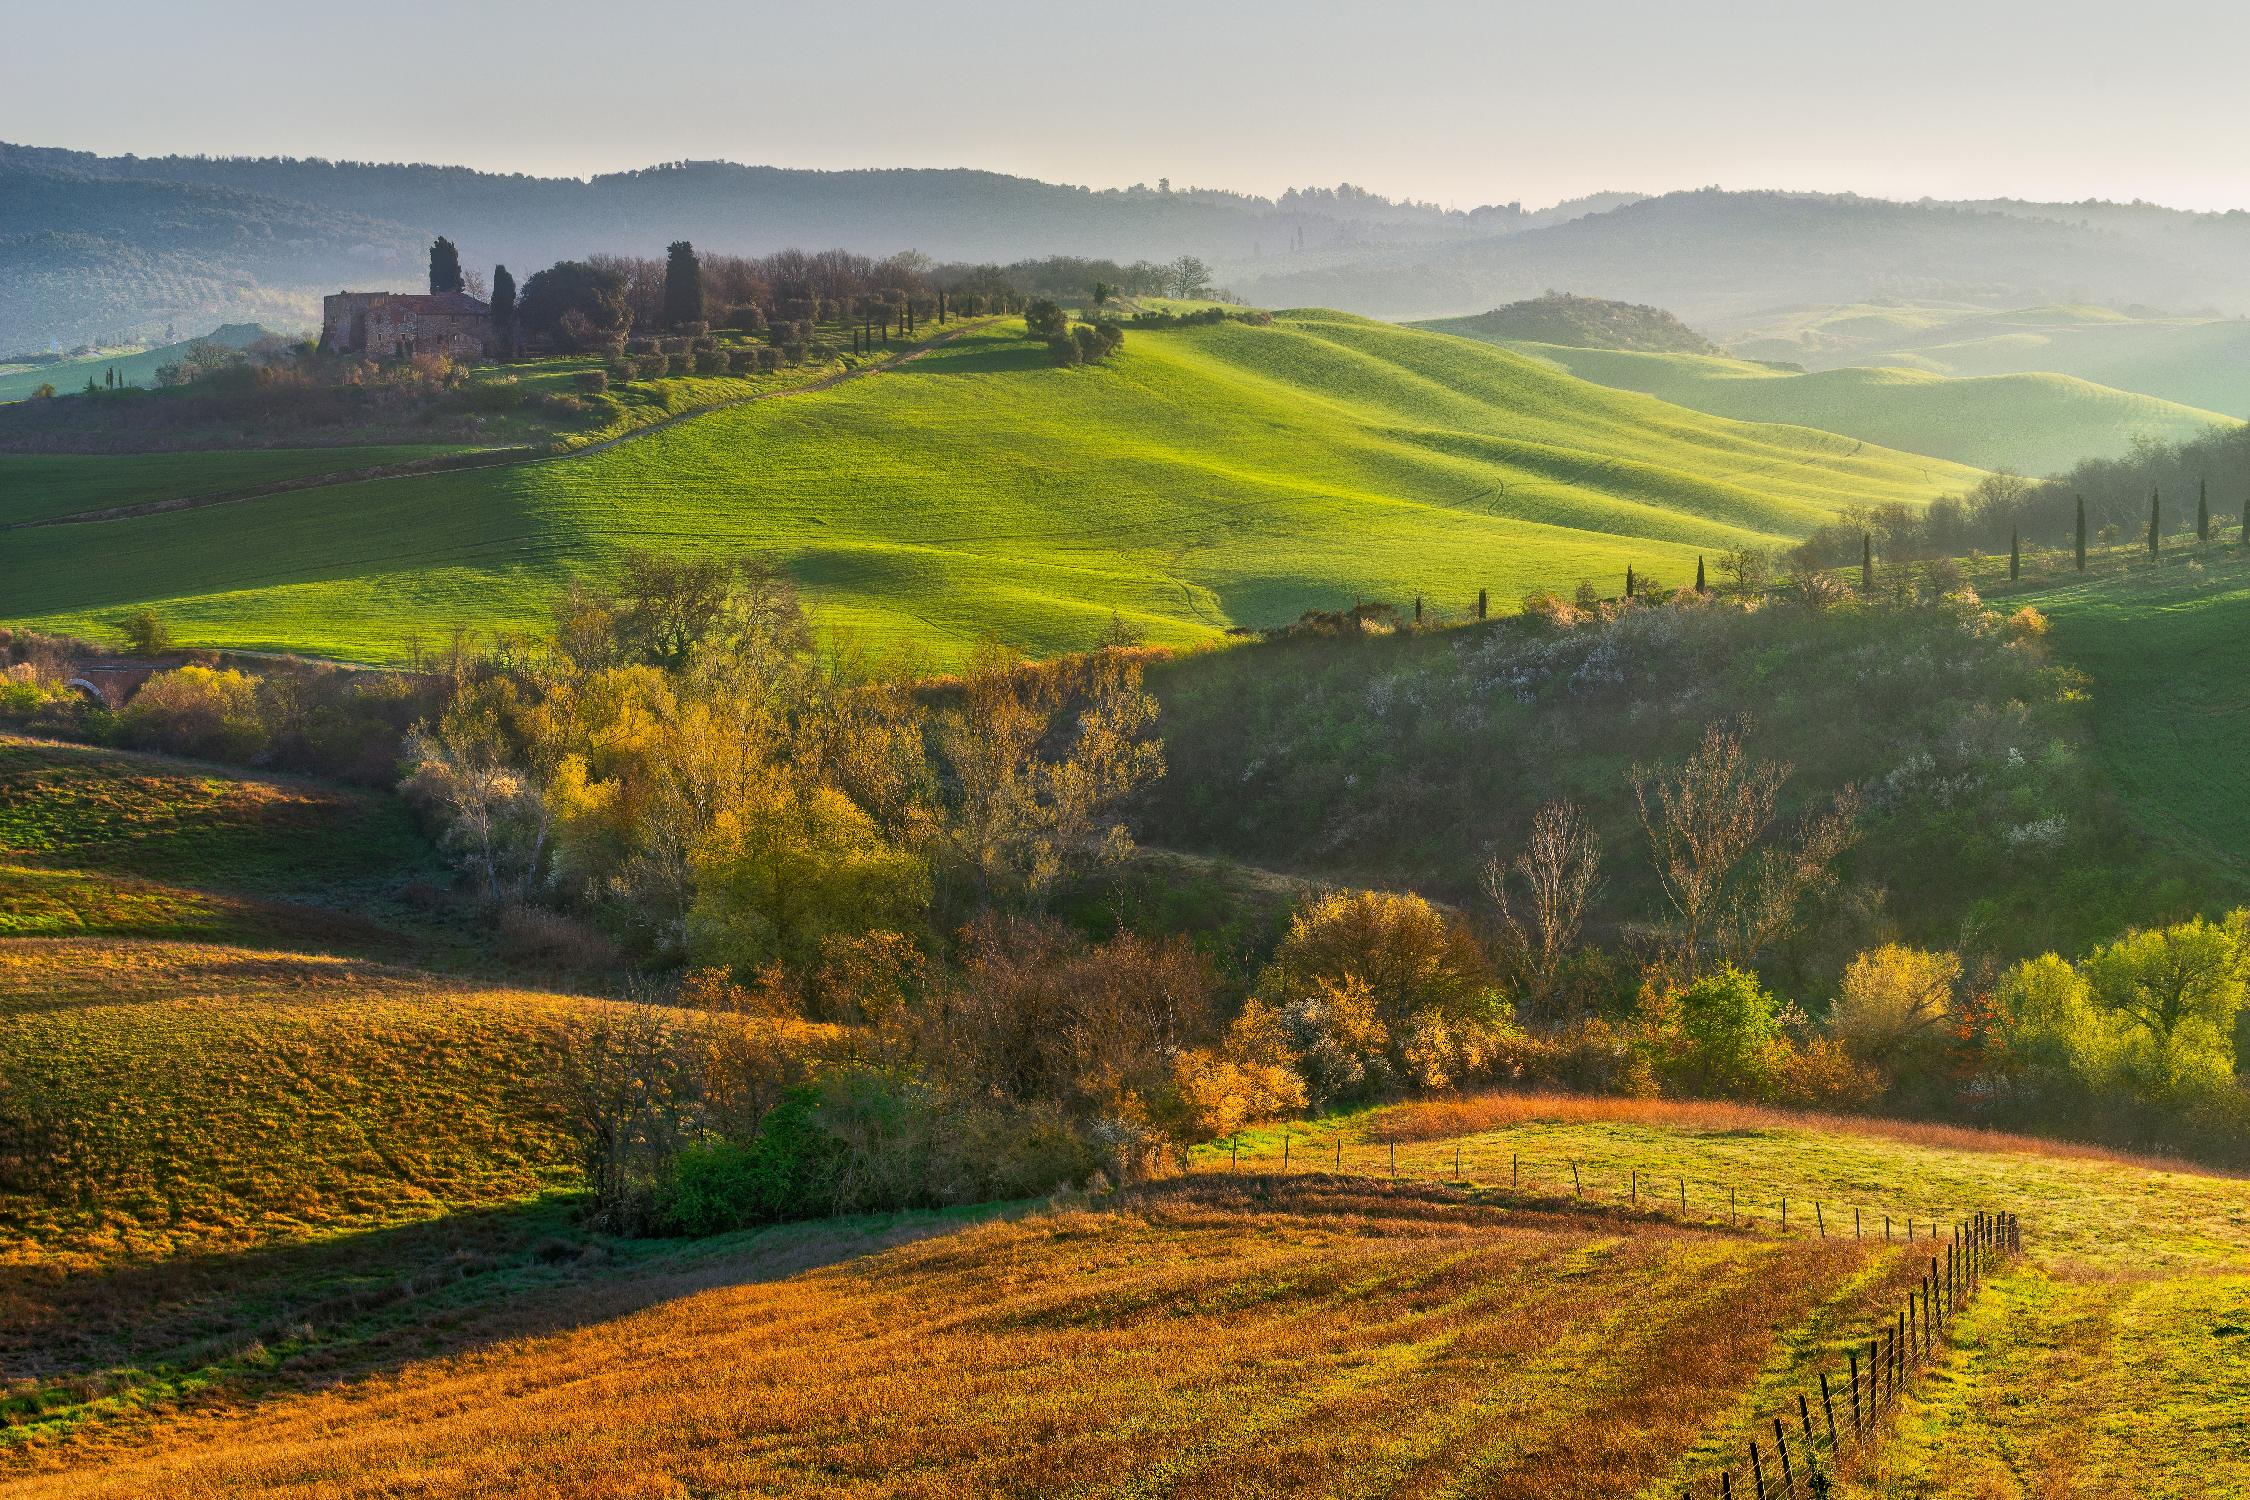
<point x="136" y="368"/>
<point x="2162" y="646"/>
<point x="36" y="486"/>
<point x="2197" y="362"/>
<point x="2111" y="1363"/>
<point x="1337" y="1338"/>
<point x="1209" y="477"/>
<point x="2031" y="423"/>
<point x="109" y="843"/>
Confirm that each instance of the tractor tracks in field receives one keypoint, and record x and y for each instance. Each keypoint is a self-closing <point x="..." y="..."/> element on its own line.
<point x="505" y="458"/>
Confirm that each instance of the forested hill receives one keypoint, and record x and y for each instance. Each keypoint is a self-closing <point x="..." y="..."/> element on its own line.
<point x="106" y="244"/>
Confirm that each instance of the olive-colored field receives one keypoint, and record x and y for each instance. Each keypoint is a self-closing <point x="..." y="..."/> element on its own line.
<point x="1206" y="477"/>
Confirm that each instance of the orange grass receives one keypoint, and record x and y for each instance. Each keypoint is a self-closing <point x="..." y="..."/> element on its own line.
<point x="1310" y="1336"/>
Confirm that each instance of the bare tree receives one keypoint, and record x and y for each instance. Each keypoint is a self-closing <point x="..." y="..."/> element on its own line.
<point x="1731" y="891"/>
<point x="1558" y="870"/>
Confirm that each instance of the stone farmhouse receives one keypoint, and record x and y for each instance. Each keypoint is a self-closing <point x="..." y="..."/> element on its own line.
<point x="398" y="325"/>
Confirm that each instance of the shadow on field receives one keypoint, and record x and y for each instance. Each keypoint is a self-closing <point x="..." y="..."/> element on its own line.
<point x="242" y="1327"/>
<point x="1006" y="359"/>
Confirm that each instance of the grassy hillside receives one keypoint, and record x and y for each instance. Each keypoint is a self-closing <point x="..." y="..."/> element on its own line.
<point x="1353" y="1336"/>
<point x="1336" y="1337"/>
<point x="137" y="367"/>
<point x="1208" y="477"/>
<point x="2109" y="1362"/>
<point x="2031" y="423"/>
<point x="1580" y="323"/>
<point x="39" y="486"/>
<point x="2168" y="711"/>
<point x="2200" y="362"/>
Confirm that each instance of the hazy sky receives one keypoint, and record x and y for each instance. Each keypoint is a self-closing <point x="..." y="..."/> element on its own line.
<point x="1457" y="102"/>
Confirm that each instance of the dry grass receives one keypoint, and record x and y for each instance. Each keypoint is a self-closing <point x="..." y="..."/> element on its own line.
<point x="1319" y="1336"/>
<point x="2112" y="1360"/>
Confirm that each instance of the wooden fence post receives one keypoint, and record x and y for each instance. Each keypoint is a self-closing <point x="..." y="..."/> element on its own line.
<point x="1785" y="1215"/>
<point x="1853" y="1352"/>
<point x="1456" y="1161"/>
<point x="1730" y="1208"/>
<point x="1828" y="1411"/>
<point x="1683" y="1197"/>
<point x="1636" y="1188"/>
<point x="1576" y="1186"/>
<point x="1820" y="1218"/>
<point x="1855" y="1223"/>
<point x="1394" y="1158"/>
<point x="1757" y="1470"/>
<point x="1285" y="1151"/>
<point x="1781" y="1445"/>
<point x="1812" y="1448"/>
<point x="1515" y="1169"/>
<point x="1234" y="1153"/>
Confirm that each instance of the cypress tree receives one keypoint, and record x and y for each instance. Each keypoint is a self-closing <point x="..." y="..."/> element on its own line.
<point x="1699" y="585"/>
<point x="2244" y="541"/>
<point x="683" y="284"/>
<point x="1628" y="580"/>
<point x="504" y="308"/>
<point x="445" y="266"/>
<point x="2082" y="531"/>
<point x="2153" y="514"/>
<point x="2015" y="555"/>
<point x="1480" y="603"/>
<point x="1417" y="609"/>
<point x="2203" y="510"/>
<point x="1866" y="563"/>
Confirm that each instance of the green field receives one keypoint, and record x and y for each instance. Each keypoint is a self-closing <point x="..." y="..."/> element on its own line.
<point x="2170" y="705"/>
<point x="2200" y="362"/>
<point x="1206" y="478"/>
<point x="38" y="486"/>
<point x="2031" y="423"/>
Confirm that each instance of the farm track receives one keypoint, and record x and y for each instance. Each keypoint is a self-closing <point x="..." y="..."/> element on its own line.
<point x="507" y="458"/>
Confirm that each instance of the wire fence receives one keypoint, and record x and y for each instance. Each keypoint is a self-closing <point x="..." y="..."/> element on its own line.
<point x="1566" y="1179"/>
<point x="1809" y="1446"/>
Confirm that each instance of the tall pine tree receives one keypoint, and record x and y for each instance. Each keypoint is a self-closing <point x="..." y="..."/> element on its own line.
<point x="2203" y="510"/>
<point x="2015" y="555"/>
<point x="445" y="266"/>
<point x="1699" y="584"/>
<point x="2082" y="532"/>
<point x="2154" y="513"/>
<point x="683" y="285"/>
<point x="1866" y="563"/>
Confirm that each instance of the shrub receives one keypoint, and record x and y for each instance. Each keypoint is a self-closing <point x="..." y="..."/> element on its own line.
<point x="1893" y="1004"/>
<point x="744" y="361"/>
<point x="1045" y="319"/>
<point x="710" y="362"/>
<point x="196" y="711"/>
<point x="1719" y="1035"/>
<point x="145" y="632"/>
<point x="593" y="382"/>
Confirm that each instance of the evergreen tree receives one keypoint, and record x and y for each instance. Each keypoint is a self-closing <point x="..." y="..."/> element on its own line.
<point x="2015" y="555"/>
<point x="2244" y="540"/>
<point x="2153" y="513"/>
<point x="683" y="285"/>
<point x="1481" y="602"/>
<point x="2203" y="510"/>
<point x="504" y="308"/>
<point x="1628" y="580"/>
<point x="445" y="266"/>
<point x="2082" y="532"/>
<point x="1699" y="584"/>
<point x="1866" y="563"/>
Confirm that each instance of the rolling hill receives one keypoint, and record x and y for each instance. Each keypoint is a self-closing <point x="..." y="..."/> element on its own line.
<point x="1206" y="478"/>
<point x="2196" y="361"/>
<point x="2030" y="423"/>
<point x="1580" y="323"/>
